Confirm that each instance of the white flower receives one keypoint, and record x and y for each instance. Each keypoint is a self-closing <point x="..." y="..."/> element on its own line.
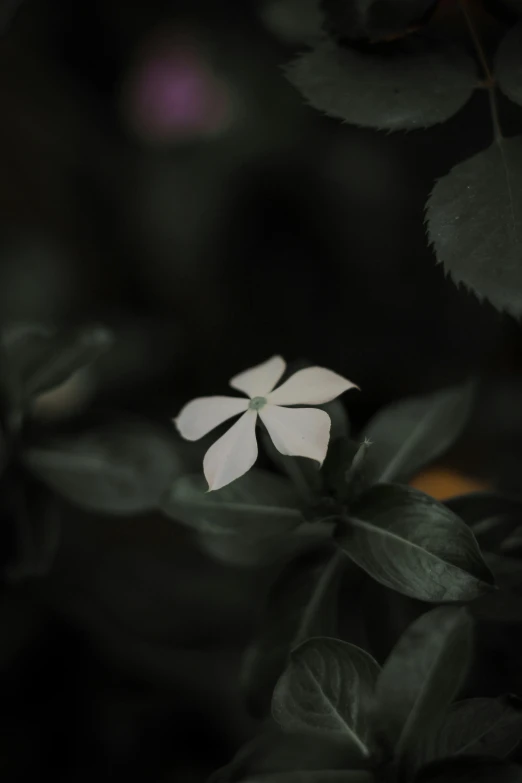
<point x="301" y="432"/>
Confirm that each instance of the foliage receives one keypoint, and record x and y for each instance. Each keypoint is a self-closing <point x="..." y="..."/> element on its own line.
<point x="348" y="626"/>
<point x="398" y="721"/>
<point x="392" y="66"/>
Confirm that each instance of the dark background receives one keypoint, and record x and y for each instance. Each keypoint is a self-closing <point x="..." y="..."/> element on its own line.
<point x="158" y="175"/>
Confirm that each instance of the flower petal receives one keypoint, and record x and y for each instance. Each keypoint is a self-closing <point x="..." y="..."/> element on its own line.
<point x="298" y="432"/>
<point x="311" y="386"/>
<point x="233" y="454"/>
<point x="201" y="416"/>
<point x="260" y="380"/>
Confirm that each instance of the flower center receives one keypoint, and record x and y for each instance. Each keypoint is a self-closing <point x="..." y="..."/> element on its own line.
<point x="256" y="403"/>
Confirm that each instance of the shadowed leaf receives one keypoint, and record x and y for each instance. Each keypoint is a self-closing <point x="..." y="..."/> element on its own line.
<point x="490" y="727"/>
<point x="476" y="770"/>
<point x="121" y="468"/>
<point x="474" y="219"/>
<point x="42" y="360"/>
<point x="254" y="520"/>
<point x="491" y="516"/>
<point x="373" y="19"/>
<point x="409" y="434"/>
<point x="386" y="92"/>
<point x="422" y="676"/>
<point x="258" y="501"/>
<point x="302" y="603"/>
<point x="327" y="688"/>
<point x="294" y="21"/>
<point x="409" y="542"/>
<point x="505" y="604"/>
<point x="508" y="64"/>
<point x="274" y="751"/>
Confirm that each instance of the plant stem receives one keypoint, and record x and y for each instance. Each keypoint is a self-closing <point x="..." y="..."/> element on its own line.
<point x="331" y="569"/>
<point x="489" y="83"/>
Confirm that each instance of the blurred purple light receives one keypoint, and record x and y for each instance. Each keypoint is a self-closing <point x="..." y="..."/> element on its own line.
<point x="174" y="93"/>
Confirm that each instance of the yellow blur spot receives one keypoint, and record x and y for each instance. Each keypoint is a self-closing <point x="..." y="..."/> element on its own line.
<point x="442" y="483"/>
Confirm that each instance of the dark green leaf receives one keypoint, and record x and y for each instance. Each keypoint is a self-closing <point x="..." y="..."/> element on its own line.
<point x="386" y="92"/>
<point x="505" y="604"/>
<point x="254" y="548"/>
<point x="474" y="219"/>
<point x="490" y="727"/>
<point x="373" y="19"/>
<point x="121" y="468"/>
<point x="274" y="751"/>
<point x="409" y="434"/>
<point x="464" y="770"/>
<point x="409" y="542"/>
<point x="508" y="64"/>
<point x="327" y="688"/>
<point x="422" y="675"/>
<point x="42" y="360"/>
<point x="294" y="21"/>
<point x="474" y="507"/>
<point x="495" y="520"/>
<point x="512" y="545"/>
<point x="254" y="520"/>
<point x="258" y="501"/>
<point x="302" y="603"/>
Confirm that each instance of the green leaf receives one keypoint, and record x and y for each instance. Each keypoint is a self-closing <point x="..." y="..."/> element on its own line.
<point x="42" y="360"/>
<point x="294" y="21"/>
<point x="409" y="434"/>
<point x="512" y="545"/>
<point x="422" y="675"/>
<point x="409" y="542"/>
<point x="254" y="548"/>
<point x="493" y="517"/>
<point x="258" y="501"/>
<point x="508" y="64"/>
<point x="476" y="727"/>
<point x="464" y="770"/>
<point x="253" y="521"/>
<point x="121" y="468"/>
<point x="302" y="603"/>
<point x="373" y="19"/>
<point x="505" y="604"/>
<point x="274" y="751"/>
<point x="327" y="688"/>
<point x="474" y="217"/>
<point x="475" y="507"/>
<point x="386" y="91"/>
<point x="487" y="514"/>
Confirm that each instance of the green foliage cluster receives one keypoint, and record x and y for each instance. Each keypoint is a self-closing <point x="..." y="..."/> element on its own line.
<point x="394" y="65"/>
<point x="328" y="710"/>
<point x="332" y="705"/>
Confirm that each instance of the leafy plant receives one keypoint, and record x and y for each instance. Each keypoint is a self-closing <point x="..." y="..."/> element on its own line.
<point x="398" y="66"/>
<point x="115" y="465"/>
<point x="398" y="722"/>
<point x="342" y="714"/>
